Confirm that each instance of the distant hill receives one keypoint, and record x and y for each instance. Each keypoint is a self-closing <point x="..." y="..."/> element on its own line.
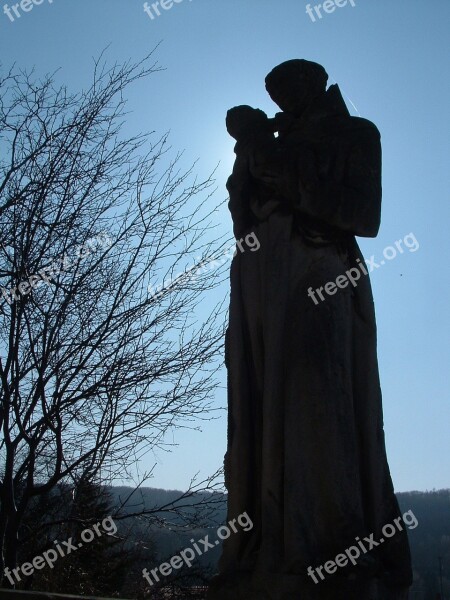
<point x="429" y="541"/>
<point x="181" y="520"/>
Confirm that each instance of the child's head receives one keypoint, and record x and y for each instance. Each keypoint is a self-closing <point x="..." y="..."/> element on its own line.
<point x="243" y="120"/>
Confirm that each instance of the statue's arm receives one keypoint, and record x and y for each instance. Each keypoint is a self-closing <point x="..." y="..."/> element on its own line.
<point x="353" y="203"/>
<point x="239" y="186"/>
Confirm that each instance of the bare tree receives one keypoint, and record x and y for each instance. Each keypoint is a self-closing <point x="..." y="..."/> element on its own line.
<point x="94" y="367"/>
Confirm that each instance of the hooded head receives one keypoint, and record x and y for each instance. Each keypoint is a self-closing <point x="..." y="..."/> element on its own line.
<point x="295" y="84"/>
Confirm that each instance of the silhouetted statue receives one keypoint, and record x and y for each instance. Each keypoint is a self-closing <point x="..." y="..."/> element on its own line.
<point x="306" y="456"/>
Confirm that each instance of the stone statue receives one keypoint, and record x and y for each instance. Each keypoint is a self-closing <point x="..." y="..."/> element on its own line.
<point x="306" y="456"/>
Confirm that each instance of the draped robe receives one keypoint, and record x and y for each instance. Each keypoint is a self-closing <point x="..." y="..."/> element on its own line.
<point x="306" y="456"/>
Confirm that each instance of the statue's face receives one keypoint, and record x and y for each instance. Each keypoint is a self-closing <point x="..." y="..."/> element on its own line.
<point x="294" y="96"/>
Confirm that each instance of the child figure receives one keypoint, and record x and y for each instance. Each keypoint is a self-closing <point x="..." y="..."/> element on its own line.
<point x="256" y="151"/>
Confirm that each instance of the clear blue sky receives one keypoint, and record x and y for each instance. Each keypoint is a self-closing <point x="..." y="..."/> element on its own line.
<point x="391" y="60"/>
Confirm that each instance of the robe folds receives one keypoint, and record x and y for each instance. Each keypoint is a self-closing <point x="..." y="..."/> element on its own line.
<point x="306" y="456"/>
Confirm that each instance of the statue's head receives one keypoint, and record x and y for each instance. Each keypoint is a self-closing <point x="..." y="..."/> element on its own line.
<point x="295" y="84"/>
<point x="242" y="120"/>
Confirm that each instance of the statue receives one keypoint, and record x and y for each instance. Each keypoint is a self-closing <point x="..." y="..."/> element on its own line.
<point x="306" y="457"/>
